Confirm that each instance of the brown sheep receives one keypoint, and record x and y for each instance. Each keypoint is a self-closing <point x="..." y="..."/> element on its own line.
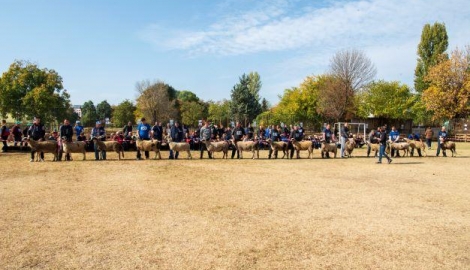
<point x="328" y="147"/>
<point x="278" y="146"/>
<point x="449" y="146"/>
<point x="399" y="146"/>
<point x="45" y="147"/>
<point x="74" y="147"/>
<point x="416" y="145"/>
<point x="217" y="147"/>
<point x="303" y="146"/>
<point x="152" y="146"/>
<point x="350" y="145"/>
<point x="248" y="146"/>
<point x="110" y="146"/>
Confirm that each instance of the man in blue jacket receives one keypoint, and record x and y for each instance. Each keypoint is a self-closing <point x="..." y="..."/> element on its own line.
<point x="394" y="137"/>
<point x="441" y="138"/>
<point x="98" y="133"/>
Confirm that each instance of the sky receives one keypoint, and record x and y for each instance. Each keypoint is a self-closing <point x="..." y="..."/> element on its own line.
<point x="103" y="48"/>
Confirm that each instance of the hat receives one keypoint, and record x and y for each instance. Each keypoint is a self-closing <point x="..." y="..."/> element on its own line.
<point x="77" y="122"/>
<point x="98" y="122"/>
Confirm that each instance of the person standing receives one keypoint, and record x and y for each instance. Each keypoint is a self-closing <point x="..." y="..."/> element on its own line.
<point x="78" y="128"/>
<point x="237" y="135"/>
<point x="373" y="138"/>
<point x="394" y="137"/>
<point x="344" y="133"/>
<point x="157" y="131"/>
<point x="143" y="133"/>
<point x="296" y="136"/>
<point x="383" y="144"/>
<point x="177" y="135"/>
<point x="328" y="137"/>
<point x="65" y="132"/>
<point x="274" y="137"/>
<point x="98" y="133"/>
<point x="249" y="131"/>
<point x="36" y="132"/>
<point x="441" y="138"/>
<point x="127" y="129"/>
<point x="5" y="132"/>
<point x="429" y="134"/>
<point x="206" y="134"/>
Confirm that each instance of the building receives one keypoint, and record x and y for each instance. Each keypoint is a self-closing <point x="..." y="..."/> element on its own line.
<point x="78" y="109"/>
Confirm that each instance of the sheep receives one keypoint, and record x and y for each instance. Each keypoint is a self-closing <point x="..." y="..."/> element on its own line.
<point x="449" y="146"/>
<point x="328" y="147"/>
<point x="179" y="147"/>
<point x="248" y="146"/>
<point x="278" y="146"/>
<point x="350" y="145"/>
<point x="373" y="147"/>
<point x="74" y="147"/>
<point x="110" y="146"/>
<point x="217" y="147"/>
<point x="416" y="145"/>
<point x="399" y="146"/>
<point x="45" y="147"/>
<point x="153" y="145"/>
<point x="303" y="146"/>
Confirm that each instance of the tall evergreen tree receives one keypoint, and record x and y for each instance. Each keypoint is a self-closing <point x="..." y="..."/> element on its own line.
<point x="103" y="110"/>
<point x="89" y="115"/>
<point x="434" y="43"/>
<point x="244" y="106"/>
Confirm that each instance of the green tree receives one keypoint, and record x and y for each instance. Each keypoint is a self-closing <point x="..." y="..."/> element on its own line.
<point x="220" y="111"/>
<point x="89" y="115"/>
<point x="244" y="106"/>
<point x="26" y="91"/>
<point x="187" y="96"/>
<point x="157" y="101"/>
<point x="192" y="112"/>
<point x="386" y="99"/>
<point x="123" y="113"/>
<point x="103" y="110"/>
<point x="265" y="105"/>
<point x="254" y="84"/>
<point x="434" y="43"/>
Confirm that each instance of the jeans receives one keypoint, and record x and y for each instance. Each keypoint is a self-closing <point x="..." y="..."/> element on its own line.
<point x="343" y="145"/>
<point x="428" y="142"/>
<point x="382" y="152"/>
<point x="439" y="150"/>
<point x="97" y="153"/>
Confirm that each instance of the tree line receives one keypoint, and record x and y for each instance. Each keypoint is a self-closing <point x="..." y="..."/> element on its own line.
<point x="347" y="90"/>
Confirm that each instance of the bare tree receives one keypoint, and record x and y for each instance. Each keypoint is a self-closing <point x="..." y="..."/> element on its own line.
<point x="353" y="68"/>
<point x="156" y="101"/>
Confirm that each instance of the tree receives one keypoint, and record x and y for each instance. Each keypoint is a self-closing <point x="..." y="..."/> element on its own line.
<point x="433" y="44"/>
<point x="220" y="111"/>
<point x="353" y="68"/>
<point x="387" y="100"/>
<point x="89" y="115"/>
<point x="244" y="106"/>
<point x="192" y="112"/>
<point x="187" y="96"/>
<point x="157" y="101"/>
<point x="123" y="113"/>
<point x="448" y="95"/>
<point x="265" y="105"/>
<point x="27" y="90"/>
<point x="297" y="104"/>
<point x="350" y="71"/>
<point x="254" y="85"/>
<point x="103" y="110"/>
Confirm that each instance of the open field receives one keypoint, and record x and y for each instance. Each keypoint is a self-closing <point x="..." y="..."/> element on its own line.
<point x="235" y="214"/>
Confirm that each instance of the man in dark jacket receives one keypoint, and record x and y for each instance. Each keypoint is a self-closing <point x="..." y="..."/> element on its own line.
<point x="4" y="136"/>
<point x="127" y="129"/>
<point x="157" y="131"/>
<point x="383" y="144"/>
<point x="238" y="134"/>
<point x="98" y="133"/>
<point x="36" y="132"/>
<point x="65" y="132"/>
<point x="297" y="136"/>
<point x="274" y="137"/>
<point x="176" y="135"/>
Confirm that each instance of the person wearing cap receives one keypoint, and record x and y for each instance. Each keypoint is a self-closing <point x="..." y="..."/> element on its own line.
<point x="177" y="135"/>
<point x="143" y="133"/>
<point x="66" y="132"/>
<point x="78" y="128"/>
<point x="36" y="132"/>
<point x="98" y="133"/>
<point x="441" y="138"/>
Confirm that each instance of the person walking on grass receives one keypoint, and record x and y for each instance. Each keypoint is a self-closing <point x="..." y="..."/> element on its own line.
<point x="383" y="144"/>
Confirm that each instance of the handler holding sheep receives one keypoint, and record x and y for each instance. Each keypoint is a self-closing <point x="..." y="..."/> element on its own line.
<point x="143" y="133"/>
<point x="441" y="139"/>
<point x="98" y="133"/>
<point x="383" y="144"/>
<point x="205" y="136"/>
<point x="37" y="133"/>
<point x="66" y="132"/>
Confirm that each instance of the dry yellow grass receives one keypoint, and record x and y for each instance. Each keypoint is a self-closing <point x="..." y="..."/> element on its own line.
<point x="236" y="214"/>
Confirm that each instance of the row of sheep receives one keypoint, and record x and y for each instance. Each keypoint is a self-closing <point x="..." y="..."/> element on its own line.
<point x="223" y="147"/>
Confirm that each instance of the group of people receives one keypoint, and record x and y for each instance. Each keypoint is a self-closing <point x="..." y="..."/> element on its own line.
<point x="205" y="132"/>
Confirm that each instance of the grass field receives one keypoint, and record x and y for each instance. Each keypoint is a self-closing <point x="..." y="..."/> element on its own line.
<point x="236" y="214"/>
